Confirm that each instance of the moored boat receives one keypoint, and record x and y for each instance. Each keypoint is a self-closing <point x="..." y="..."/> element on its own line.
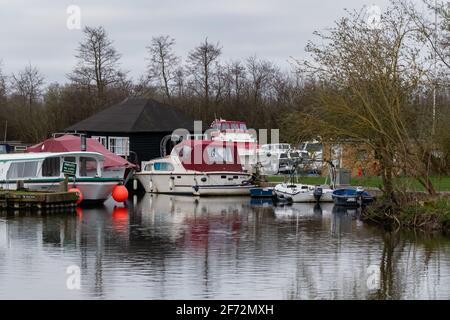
<point x="197" y="167"/>
<point x="351" y="197"/>
<point x="113" y="165"/>
<point x="296" y="192"/>
<point x="44" y="172"/>
<point x="260" y="192"/>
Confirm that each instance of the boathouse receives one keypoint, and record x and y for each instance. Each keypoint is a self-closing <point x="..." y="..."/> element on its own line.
<point x="134" y="128"/>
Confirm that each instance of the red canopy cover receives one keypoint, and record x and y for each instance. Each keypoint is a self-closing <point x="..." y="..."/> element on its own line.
<point x="68" y="143"/>
<point x="194" y="155"/>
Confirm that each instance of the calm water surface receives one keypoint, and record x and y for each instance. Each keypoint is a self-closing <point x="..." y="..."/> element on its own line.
<point x="175" y="247"/>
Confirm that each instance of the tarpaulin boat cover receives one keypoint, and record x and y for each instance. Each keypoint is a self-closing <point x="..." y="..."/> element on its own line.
<point x="68" y="143"/>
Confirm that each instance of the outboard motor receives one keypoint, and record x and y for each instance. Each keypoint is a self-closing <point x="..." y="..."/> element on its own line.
<point x="318" y="191"/>
<point x="359" y="195"/>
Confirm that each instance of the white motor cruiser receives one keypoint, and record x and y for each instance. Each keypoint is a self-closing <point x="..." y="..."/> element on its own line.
<point x="303" y="193"/>
<point x="197" y="167"/>
<point x="43" y="171"/>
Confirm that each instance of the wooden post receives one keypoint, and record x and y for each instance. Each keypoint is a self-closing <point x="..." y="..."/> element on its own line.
<point x="65" y="183"/>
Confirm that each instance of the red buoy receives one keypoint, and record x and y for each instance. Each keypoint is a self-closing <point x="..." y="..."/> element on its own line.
<point x="120" y="193"/>
<point x="79" y="193"/>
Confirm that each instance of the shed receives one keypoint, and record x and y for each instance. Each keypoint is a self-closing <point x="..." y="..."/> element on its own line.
<point x="134" y="127"/>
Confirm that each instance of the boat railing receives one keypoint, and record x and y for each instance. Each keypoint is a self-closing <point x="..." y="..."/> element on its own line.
<point x="197" y="137"/>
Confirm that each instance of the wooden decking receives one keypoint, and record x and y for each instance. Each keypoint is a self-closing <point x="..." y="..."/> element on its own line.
<point x="27" y="200"/>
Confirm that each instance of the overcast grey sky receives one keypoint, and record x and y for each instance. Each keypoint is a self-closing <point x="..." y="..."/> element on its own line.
<point x="35" y="31"/>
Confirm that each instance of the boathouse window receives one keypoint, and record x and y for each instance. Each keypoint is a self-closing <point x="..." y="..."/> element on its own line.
<point x="51" y="167"/>
<point x="101" y="139"/>
<point x="163" y="166"/>
<point x="22" y="170"/>
<point x="88" y="167"/>
<point x="119" y="145"/>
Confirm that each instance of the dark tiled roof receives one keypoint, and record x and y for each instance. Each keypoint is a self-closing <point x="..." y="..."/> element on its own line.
<point x="136" y="115"/>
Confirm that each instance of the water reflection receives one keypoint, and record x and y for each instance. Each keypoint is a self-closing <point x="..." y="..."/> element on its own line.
<point x="164" y="247"/>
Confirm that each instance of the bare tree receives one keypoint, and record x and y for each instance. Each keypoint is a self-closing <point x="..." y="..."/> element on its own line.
<point x="27" y="84"/>
<point x="98" y="62"/>
<point x="237" y="75"/>
<point x="201" y="66"/>
<point x="179" y="80"/>
<point x="163" y="63"/>
<point x="261" y="73"/>
<point x="2" y="86"/>
<point x="366" y="80"/>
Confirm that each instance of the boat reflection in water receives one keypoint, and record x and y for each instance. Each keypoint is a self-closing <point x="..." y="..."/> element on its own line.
<point x="190" y="221"/>
<point x="302" y="211"/>
<point x="181" y="247"/>
<point x="344" y="219"/>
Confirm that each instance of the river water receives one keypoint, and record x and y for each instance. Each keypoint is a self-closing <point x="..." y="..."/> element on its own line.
<point x="176" y="247"/>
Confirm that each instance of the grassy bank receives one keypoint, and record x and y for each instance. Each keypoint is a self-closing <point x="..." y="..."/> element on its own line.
<point x="407" y="183"/>
<point x="427" y="214"/>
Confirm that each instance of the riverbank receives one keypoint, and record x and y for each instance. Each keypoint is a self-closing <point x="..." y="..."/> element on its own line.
<point x="441" y="184"/>
<point x="430" y="214"/>
<point x="416" y="209"/>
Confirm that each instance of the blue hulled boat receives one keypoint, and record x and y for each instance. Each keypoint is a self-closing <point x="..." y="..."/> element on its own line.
<point x="351" y="197"/>
<point x="261" y="192"/>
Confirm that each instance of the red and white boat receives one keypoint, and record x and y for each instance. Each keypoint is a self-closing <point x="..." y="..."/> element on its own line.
<point x="198" y="167"/>
<point x="236" y="131"/>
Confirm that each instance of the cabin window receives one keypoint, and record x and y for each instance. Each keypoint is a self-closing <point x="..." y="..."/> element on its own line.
<point x="225" y="126"/>
<point x="242" y="126"/>
<point x="219" y="154"/>
<point x="163" y="166"/>
<point x="26" y="169"/>
<point x="101" y="139"/>
<point x="119" y="145"/>
<point x="235" y="126"/>
<point x="88" y="167"/>
<point x="51" y="167"/>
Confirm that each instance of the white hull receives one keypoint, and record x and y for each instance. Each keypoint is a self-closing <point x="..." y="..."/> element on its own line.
<point x="92" y="191"/>
<point x="211" y="183"/>
<point x="299" y="194"/>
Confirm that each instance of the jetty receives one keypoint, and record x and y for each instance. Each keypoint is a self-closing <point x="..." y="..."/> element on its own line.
<point x="25" y="199"/>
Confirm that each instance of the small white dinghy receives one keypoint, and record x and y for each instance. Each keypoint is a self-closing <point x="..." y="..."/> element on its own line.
<point x="296" y="192"/>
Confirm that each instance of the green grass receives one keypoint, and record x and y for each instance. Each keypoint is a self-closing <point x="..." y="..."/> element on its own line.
<point x="440" y="183"/>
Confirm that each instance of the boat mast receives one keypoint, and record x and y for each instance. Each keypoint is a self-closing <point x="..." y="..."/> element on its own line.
<point x="6" y="131"/>
<point x="434" y="71"/>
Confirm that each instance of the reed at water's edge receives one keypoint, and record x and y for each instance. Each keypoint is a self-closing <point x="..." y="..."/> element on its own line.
<point x="424" y="212"/>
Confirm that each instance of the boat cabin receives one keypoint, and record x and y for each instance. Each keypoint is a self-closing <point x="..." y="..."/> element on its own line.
<point x="48" y="165"/>
<point x="199" y="155"/>
<point x="224" y="125"/>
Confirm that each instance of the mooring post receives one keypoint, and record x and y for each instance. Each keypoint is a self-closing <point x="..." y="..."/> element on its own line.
<point x="66" y="183"/>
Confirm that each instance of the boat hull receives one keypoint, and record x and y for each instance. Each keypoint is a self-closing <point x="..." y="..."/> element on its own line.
<point x="351" y="197"/>
<point x="261" y="192"/>
<point x="94" y="191"/>
<point x="349" y="201"/>
<point x="290" y="194"/>
<point x="201" y="184"/>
